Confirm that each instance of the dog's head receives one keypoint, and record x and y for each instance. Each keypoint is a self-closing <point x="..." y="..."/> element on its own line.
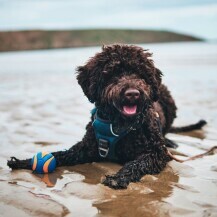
<point x="121" y="76"/>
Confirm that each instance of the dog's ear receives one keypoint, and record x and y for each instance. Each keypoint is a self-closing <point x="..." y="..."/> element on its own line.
<point x="154" y="80"/>
<point x="152" y="75"/>
<point x="156" y="84"/>
<point x="87" y="79"/>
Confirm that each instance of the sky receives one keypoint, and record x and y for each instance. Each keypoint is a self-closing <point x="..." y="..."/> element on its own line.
<point x="194" y="17"/>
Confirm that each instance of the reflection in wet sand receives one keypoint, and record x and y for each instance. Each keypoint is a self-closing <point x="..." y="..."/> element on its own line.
<point x="43" y="109"/>
<point x="144" y="196"/>
<point x="140" y="199"/>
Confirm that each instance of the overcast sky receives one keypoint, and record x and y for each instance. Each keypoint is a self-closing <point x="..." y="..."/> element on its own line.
<point x="195" y="17"/>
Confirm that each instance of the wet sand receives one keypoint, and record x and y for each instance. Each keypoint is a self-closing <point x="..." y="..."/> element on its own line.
<point x="42" y="108"/>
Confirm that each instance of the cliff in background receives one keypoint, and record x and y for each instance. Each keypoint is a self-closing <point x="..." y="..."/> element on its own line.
<point x="44" y="39"/>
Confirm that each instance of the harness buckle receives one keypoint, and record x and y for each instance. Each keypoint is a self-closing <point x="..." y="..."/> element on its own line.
<point x="103" y="148"/>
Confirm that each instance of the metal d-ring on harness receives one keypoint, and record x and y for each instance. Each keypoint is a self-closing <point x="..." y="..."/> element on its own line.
<point x="105" y="136"/>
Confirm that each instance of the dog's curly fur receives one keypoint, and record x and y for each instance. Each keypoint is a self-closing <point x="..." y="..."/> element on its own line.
<point x="105" y="80"/>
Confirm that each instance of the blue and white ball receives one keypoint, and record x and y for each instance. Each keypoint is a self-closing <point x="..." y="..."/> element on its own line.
<point x="43" y="162"/>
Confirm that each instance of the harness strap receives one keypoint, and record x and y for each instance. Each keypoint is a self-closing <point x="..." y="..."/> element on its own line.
<point x="107" y="139"/>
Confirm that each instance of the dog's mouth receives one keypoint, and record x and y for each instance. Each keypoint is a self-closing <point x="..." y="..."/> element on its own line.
<point x="129" y="110"/>
<point x="129" y="103"/>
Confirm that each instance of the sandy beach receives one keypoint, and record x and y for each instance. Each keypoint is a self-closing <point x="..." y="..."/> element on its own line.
<point x="42" y="108"/>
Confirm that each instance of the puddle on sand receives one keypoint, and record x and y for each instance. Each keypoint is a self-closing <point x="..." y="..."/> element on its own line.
<point x="42" y="110"/>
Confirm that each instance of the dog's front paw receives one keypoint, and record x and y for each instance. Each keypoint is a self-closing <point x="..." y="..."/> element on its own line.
<point x="15" y="163"/>
<point x="115" y="182"/>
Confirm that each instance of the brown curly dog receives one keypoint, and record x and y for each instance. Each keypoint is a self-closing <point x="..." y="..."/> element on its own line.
<point x="133" y="112"/>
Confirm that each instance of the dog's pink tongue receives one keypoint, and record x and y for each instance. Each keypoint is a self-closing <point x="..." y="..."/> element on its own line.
<point x="130" y="109"/>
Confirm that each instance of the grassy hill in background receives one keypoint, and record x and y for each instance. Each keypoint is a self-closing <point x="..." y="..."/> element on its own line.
<point x="38" y="39"/>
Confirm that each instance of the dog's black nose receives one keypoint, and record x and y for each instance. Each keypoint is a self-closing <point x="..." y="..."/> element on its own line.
<point x="132" y="93"/>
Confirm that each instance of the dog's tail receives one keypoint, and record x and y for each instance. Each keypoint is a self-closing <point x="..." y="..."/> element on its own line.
<point x="188" y="128"/>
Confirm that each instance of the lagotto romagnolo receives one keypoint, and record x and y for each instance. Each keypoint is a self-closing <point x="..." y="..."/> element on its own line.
<point x="133" y="112"/>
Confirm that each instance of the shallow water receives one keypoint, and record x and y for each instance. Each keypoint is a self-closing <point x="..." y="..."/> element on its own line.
<point x="43" y="108"/>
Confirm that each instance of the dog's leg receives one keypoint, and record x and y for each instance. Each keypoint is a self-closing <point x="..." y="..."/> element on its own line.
<point x="170" y="143"/>
<point x="151" y="163"/>
<point x="77" y="154"/>
<point x="15" y="163"/>
<point x="82" y="152"/>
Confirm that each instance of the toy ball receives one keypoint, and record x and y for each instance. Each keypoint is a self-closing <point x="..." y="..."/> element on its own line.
<point x="43" y="162"/>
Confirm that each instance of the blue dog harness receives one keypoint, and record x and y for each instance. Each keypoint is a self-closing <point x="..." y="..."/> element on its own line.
<point x="106" y="138"/>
